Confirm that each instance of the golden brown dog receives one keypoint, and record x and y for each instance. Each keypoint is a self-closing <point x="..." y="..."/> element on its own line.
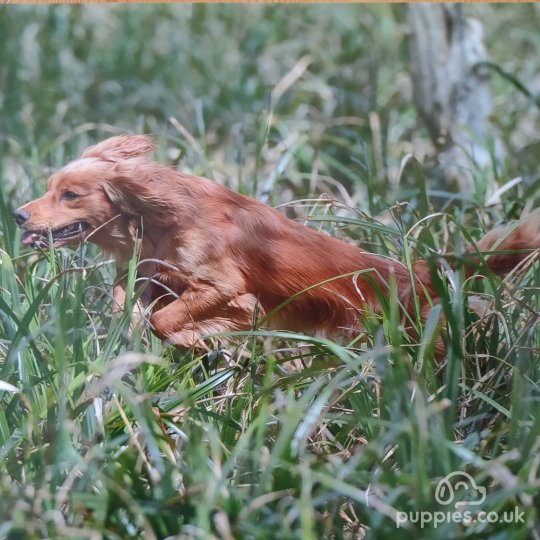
<point x="217" y="259"/>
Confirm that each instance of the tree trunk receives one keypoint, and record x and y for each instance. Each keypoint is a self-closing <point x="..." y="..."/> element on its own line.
<point x="452" y="93"/>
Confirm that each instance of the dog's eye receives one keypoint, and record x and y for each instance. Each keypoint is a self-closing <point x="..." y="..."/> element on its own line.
<point x="69" y="195"/>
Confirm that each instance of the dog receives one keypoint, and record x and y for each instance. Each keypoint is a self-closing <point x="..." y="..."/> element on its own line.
<point x="217" y="261"/>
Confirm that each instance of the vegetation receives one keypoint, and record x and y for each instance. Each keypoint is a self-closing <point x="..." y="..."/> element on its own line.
<point x="107" y="433"/>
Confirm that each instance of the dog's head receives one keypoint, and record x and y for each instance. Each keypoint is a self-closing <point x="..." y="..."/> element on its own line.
<point x="95" y="196"/>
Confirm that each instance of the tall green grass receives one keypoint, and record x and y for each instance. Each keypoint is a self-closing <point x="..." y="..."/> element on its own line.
<point x="104" y="430"/>
<point x="107" y="433"/>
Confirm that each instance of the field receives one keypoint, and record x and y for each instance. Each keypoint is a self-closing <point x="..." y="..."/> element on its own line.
<point x="108" y="433"/>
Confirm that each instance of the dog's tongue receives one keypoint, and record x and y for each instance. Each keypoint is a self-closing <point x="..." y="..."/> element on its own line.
<point x="29" y="238"/>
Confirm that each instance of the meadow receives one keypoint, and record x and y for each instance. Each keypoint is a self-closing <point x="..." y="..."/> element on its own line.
<point x="108" y="433"/>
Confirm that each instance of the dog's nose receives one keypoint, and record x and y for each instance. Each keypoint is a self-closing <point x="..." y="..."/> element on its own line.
<point x="21" y="216"/>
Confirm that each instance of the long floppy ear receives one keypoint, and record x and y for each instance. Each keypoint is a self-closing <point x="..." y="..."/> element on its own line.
<point x="135" y="198"/>
<point x="122" y="147"/>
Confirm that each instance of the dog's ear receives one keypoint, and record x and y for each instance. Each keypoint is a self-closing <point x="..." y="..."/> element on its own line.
<point x="122" y="147"/>
<point x="136" y="198"/>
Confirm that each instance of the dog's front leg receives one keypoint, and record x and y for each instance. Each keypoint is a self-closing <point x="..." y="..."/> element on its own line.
<point x="184" y="323"/>
<point x="119" y="296"/>
<point x="119" y="304"/>
<point x="189" y="306"/>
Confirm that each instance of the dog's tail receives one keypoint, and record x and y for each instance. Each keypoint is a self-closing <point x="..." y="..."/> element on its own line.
<point x="510" y="245"/>
<point x="502" y="249"/>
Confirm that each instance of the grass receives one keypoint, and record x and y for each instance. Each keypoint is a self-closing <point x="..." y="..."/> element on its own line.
<point x="106" y="433"/>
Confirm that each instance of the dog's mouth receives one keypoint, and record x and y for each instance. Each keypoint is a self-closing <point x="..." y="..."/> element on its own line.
<point x="61" y="236"/>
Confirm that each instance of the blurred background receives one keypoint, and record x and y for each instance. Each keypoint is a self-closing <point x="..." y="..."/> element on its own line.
<point x="306" y="98"/>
